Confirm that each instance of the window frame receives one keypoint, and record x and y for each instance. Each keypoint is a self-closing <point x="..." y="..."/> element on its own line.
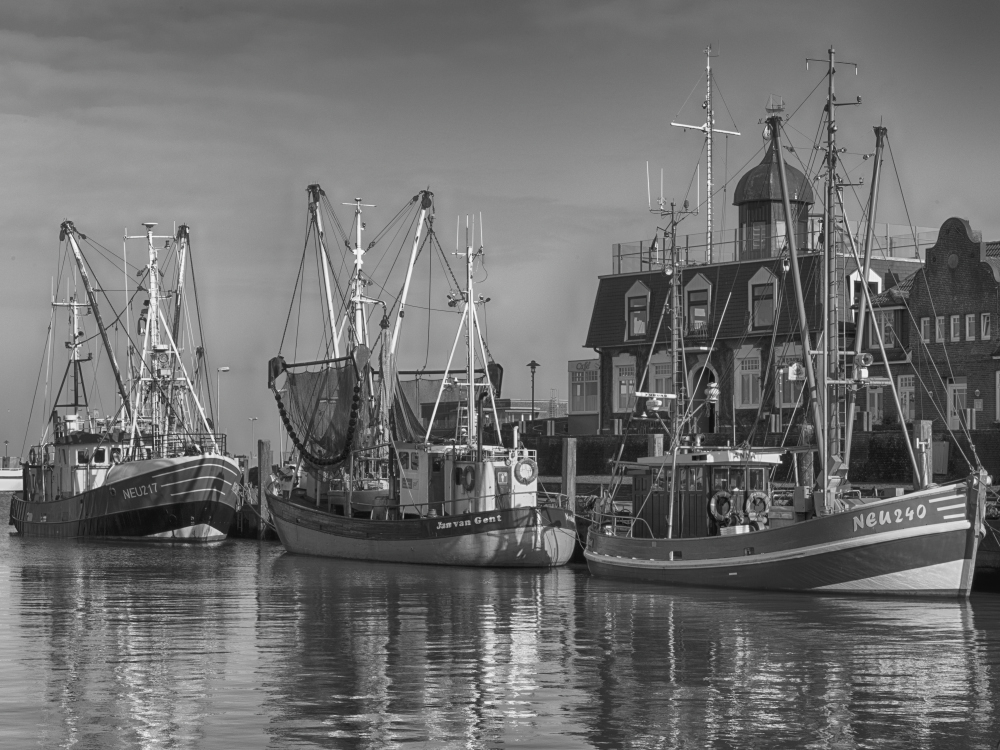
<point x="925" y="330"/>
<point x="956" y="328"/>
<point x="626" y="395"/>
<point x="907" y="385"/>
<point x="749" y="375"/>
<point x="985" y="327"/>
<point x="970" y="326"/>
<point x="939" y="329"/>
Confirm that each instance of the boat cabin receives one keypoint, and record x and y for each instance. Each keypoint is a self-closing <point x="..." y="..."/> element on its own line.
<point x="719" y="491"/>
<point x="445" y="480"/>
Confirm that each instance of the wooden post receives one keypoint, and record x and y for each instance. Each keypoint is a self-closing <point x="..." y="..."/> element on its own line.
<point x="922" y="447"/>
<point x="569" y="471"/>
<point x="654" y="445"/>
<point x="263" y="474"/>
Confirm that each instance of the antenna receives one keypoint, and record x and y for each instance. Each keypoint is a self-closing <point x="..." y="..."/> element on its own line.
<point x="649" y="197"/>
<point x="481" y="242"/>
<point x="458" y="221"/>
<point x="661" y="187"/>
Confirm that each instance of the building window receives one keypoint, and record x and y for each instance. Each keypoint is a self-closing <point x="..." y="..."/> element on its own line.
<point x="762" y="296"/>
<point x="956" y="327"/>
<point x="638" y="314"/>
<point x="875" y="403"/>
<point x="758" y="239"/>
<point x="748" y="381"/>
<point x="925" y="330"/>
<point x="697" y="312"/>
<point x="970" y="327"/>
<point x="662" y="379"/>
<point x="884" y="320"/>
<point x="939" y="329"/>
<point x="984" y="327"/>
<point x="907" y="394"/>
<point x="583" y="392"/>
<point x="790" y="391"/>
<point x="626" y="388"/>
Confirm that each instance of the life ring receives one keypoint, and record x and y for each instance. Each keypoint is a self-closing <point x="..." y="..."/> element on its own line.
<point x="756" y="506"/>
<point x="32" y="456"/>
<point x="525" y="471"/>
<point x="469" y="478"/>
<point x="716" y="501"/>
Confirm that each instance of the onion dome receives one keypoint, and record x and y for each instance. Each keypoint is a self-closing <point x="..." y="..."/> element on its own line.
<point x="763" y="184"/>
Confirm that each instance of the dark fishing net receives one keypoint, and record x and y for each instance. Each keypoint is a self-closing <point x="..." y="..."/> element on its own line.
<point x="319" y="405"/>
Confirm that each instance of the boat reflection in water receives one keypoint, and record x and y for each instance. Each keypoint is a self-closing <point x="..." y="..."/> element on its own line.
<point x="456" y="656"/>
<point x="129" y="645"/>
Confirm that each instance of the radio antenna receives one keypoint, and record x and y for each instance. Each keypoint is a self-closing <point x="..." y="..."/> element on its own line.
<point x="649" y="196"/>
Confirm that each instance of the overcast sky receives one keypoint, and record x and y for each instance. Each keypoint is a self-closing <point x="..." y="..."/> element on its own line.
<point x="541" y="115"/>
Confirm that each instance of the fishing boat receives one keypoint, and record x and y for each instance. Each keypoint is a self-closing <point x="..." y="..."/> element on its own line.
<point x="711" y="516"/>
<point x="375" y="480"/>
<point x="155" y="469"/>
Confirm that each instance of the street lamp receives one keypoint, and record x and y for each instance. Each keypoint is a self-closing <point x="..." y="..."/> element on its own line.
<point x="252" y="425"/>
<point x="533" y="365"/>
<point x="218" y="397"/>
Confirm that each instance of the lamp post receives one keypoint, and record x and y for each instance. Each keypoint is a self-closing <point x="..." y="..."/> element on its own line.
<point x="218" y="397"/>
<point x="533" y="365"/>
<point x="252" y="425"/>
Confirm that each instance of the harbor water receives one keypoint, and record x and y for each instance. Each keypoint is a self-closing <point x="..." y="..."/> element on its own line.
<point x="239" y="645"/>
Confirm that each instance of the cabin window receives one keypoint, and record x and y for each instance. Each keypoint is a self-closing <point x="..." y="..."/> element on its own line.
<point x="755" y="480"/>
<point x="925" y="330"/>
<point x="939" y="329"/>
<point x="638" y="313"/>
<point x="82" y="457"/>
<point x="984" y="327"/>
<point x="762" y="296"/>
<point x="404" y="460"/>
<point x="697" y="317"/>
<point x="956" y="327"/>
<point x="626" y="387"/>
<point x="907" y="397"/>
<point x="414" y="461"/>
<point x="100" y="456"/>
<point x="970" y="327"/>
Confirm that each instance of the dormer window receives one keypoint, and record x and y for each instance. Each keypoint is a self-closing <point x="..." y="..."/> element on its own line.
<point x="637" y="311"/>
<point x="762" y="288"/>
<point x="698" y="294"/>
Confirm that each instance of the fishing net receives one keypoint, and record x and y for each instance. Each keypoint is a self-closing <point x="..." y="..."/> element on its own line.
<point x="319" y="404"/>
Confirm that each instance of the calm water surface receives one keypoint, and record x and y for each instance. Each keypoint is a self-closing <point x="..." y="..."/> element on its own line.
<point x="242" y="646"/>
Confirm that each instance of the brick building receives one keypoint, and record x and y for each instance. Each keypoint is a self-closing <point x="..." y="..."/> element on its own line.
<point x="738" y="322"/>
<point x="938" y="324"/>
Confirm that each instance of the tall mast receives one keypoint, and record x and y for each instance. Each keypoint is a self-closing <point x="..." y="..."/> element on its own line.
<point x="360" y="333"/>
<point x="708" y="129"/>
<point x="830" y="310"/>
<point x="859" y="318"/>
<point x="70" y="232"/>
<point x="426" y="198"/>
<point x="470" y="330"/>
<point x="183" y="240"/>
<point x="315" y="191"/>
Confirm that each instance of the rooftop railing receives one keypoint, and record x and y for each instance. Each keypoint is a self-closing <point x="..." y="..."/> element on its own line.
<point x="727" y="246"/>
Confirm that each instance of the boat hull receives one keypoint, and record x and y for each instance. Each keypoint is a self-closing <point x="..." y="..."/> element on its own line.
<point x="919" y="544"/>
<point x="515" y="537"/>
<point x="10" y="480"/>
<point x="184" y="499"/>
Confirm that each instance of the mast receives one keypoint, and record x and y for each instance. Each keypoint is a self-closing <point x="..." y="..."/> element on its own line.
<point x="470" y="331"/>
<point x="708" y="129"/>
<point x="426" y="198"/>
<point x="830" y="310"/>
<point x="315" y="191"/>
<point x="182" y="239"/>
<point x="774" y="124"/>
<point x="360" y="332"/>
<point x="69" y="231"/>
<point x="859" y="327"/>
